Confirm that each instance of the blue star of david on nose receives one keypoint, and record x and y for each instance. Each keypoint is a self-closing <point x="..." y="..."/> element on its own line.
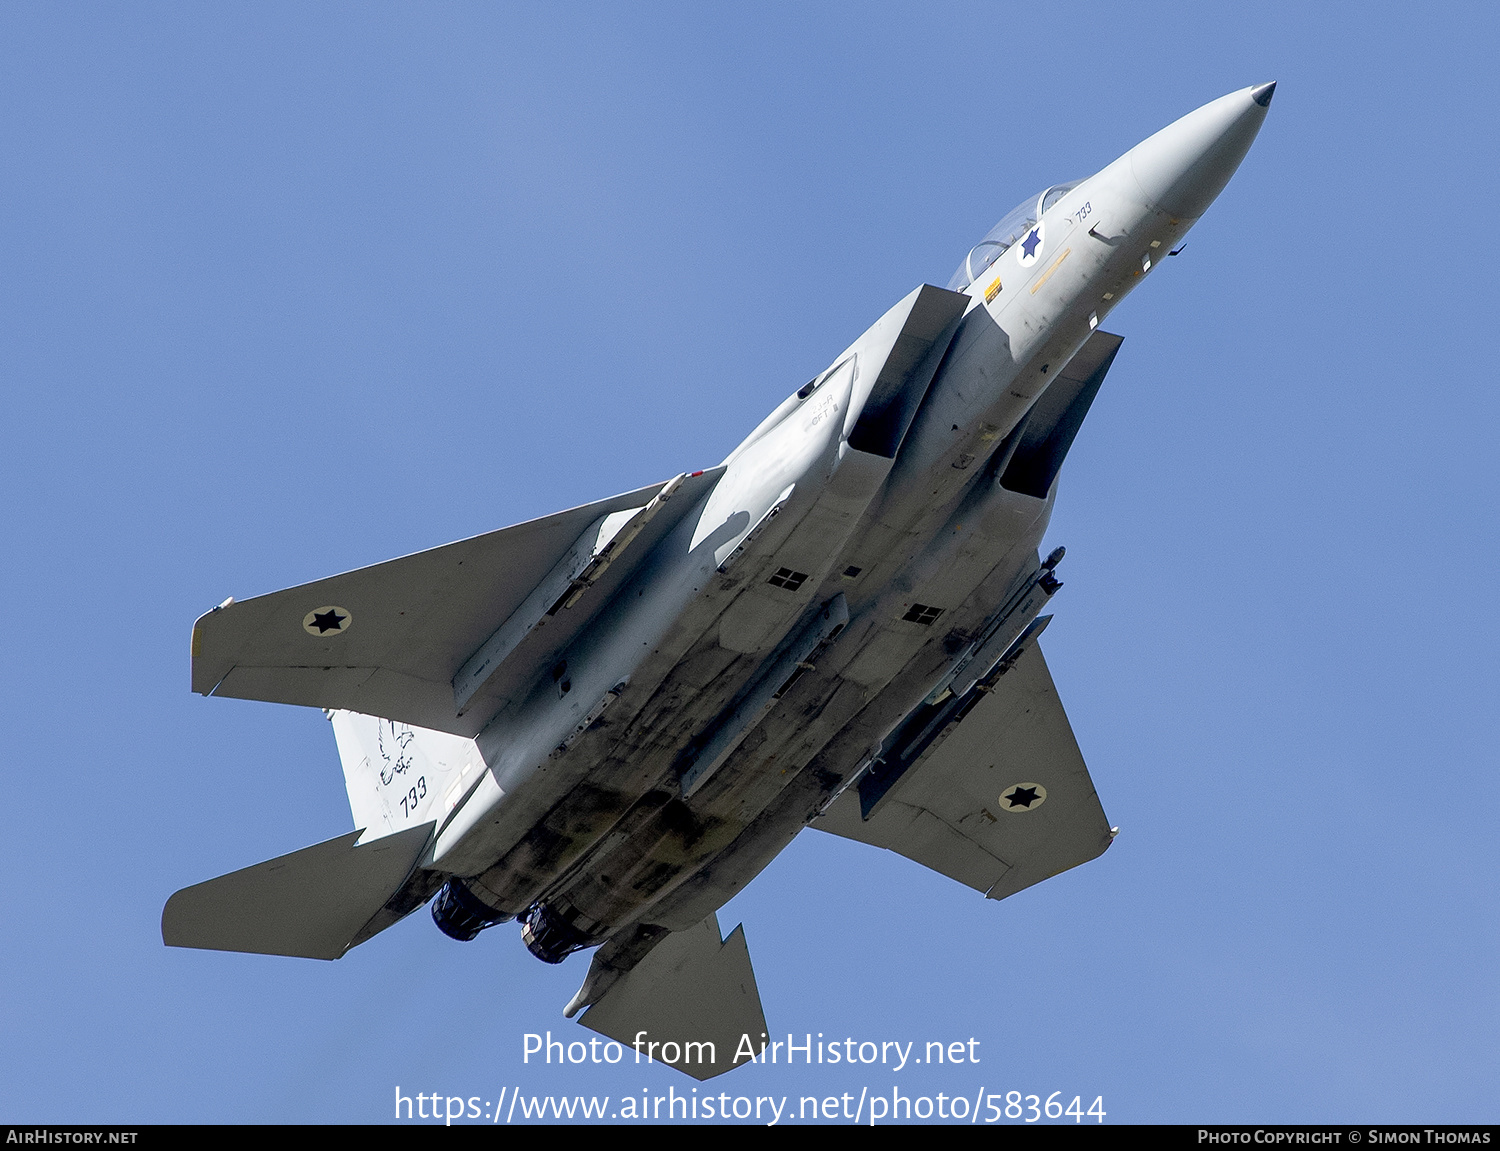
<point x="1028" y="245"/>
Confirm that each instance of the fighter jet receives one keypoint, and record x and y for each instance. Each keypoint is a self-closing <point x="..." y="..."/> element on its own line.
<point x="605" y="722"/>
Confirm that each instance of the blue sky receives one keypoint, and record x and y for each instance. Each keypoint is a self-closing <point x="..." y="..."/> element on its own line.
<point x="285" y="290"/>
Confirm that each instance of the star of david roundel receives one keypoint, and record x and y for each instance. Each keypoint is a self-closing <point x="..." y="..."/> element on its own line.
<point x="326" y="621"/>
<point x="1029" y="246"/>
<point x="1023" y="797"/>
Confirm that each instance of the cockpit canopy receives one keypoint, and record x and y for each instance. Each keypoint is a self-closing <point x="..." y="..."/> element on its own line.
<point x="1012" y="226"/>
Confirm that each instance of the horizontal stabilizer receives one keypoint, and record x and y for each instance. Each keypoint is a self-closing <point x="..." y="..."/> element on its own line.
<point x="311" y="903"/>
<point x="1003" y="801"/>
<point x="390" y="639"/>
<point x="693" y="996"/>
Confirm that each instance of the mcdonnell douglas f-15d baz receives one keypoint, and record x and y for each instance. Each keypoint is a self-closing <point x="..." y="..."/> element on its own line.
<point x="607" y="721"/>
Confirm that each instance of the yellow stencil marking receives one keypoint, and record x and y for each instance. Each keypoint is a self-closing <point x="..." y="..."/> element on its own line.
<point x="1047" y="275"/>
<point x="992" y="291"/>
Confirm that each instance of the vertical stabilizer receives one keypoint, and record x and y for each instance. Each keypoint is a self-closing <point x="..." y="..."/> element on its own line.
<point x="399" y="776"/>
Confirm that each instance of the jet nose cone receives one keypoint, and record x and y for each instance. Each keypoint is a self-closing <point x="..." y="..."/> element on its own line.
<point x="1183" y="167"/>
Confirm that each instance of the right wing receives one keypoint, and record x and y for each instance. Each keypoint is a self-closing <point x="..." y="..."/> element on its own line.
<point x="956" y="810"/>
<point x="437" y="639"/>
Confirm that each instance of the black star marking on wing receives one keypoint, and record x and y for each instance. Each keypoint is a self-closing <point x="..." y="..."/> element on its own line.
<point x="1028" y="245"/>
<point x="1022" y="797"/>
<point x="326" y="621"/>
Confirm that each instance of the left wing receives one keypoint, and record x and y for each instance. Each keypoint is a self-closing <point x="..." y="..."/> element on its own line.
<point x="439" y="639"/>
<point x="999" y="802"/>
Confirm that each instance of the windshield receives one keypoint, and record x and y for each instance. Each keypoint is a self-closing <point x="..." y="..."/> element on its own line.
<point x="1012" y="227"/>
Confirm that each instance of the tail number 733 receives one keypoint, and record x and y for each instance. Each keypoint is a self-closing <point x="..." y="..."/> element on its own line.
<point x="414" y="795"/>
